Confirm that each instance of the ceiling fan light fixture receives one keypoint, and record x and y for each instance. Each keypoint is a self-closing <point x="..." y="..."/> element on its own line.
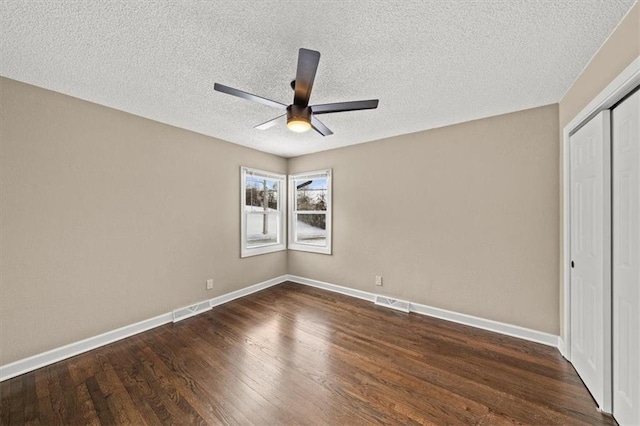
<point x="298" y="118"/>
<point x="298" y="125"/>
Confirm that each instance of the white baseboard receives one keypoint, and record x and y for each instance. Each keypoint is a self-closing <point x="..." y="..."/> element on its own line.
<point x="485" y="324"/>
<point x="371" y="297"/>
<point x="58" y="354"/>
<point x="67" y="351"/>
<point x="247" y="291"/>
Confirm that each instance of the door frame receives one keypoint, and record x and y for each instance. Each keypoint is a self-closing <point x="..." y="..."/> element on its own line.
<point x="628" y="79"/>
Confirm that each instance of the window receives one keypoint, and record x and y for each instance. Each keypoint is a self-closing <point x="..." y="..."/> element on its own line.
<point x="310" y="211"/>
<point x="262" y="212"/>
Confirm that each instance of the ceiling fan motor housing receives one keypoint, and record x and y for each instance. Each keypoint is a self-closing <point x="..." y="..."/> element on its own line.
<point x="296" y="113"/>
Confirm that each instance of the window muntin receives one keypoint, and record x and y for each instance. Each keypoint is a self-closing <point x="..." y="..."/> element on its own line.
<point x="262" y="220"/>
<point x="310" y="212"/>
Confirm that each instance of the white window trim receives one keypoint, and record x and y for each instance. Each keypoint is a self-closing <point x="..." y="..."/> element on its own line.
<point x="246" y="251"/>
<point x="293" y="245"/>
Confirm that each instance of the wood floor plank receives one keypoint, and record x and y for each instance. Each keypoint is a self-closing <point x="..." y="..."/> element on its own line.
<point x="260" y="382"/>
<point x="166" y="385"/>
<point x="372" y="385"/>
<point x="292" y="354"/>
<point x="99" y="402"/>
<point x="459" y="364"/>
<point x="16" y="413"/>
<point x="120" y="400"/>
<point x="316" y="382"/>
<point x="374" y="348"/>
<point x="193" y="372"/>
<point x="87" y="410"/>
<point x="31" y="399"/>
<point x="127" y="363"/>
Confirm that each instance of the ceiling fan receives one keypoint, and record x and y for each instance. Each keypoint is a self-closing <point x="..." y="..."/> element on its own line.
<point x="301" y="115"/>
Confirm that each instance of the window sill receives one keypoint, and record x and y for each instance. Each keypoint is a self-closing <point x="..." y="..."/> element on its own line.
<point x="310" y="248"/>
<point x="248" y="252"/>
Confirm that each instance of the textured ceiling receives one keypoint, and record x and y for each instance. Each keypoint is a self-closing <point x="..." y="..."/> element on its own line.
<point x="431" y="63"/>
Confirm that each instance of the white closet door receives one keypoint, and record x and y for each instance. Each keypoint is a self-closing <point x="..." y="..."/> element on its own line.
<point x="626" y="261"/>
<point x="591" y="257"/>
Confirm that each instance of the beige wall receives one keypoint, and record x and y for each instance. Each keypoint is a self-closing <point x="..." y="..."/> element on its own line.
<point x="108" y="219"/>
<point x="622" y="48"/>
<point x="463" y="218"/>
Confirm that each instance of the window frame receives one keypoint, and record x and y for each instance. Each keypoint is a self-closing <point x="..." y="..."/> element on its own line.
<point x="292" y="212"/>
<point x="281" y="213"/>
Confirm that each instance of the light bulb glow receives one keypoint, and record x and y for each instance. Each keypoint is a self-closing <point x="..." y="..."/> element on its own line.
<point x="298" y="125"/>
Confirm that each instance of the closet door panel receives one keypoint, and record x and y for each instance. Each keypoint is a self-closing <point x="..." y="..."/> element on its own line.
<point x="626" y="260"/>
<point x="590" y="255"/>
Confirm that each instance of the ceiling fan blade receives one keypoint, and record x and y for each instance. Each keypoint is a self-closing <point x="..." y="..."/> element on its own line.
<point x="344" y="106"/>
<point x="244" y="95"/>
<point x="319" y="127"/>
<point x="269" y="124"/>
<point x="306" y="73"/>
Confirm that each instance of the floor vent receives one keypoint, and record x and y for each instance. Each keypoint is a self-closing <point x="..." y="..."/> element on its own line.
<point x="189" y="311"/>
<point x="398" y="305"/>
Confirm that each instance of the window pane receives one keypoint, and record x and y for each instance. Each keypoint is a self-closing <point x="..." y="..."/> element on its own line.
<point x="311" y="194"/>
<point x="262" y="229"/>
<point x="261" y="194"/>
<point x="311" y="229"/>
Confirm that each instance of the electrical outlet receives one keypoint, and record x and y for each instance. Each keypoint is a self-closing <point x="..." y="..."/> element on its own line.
<point x="378" y="280"/>
<point x="210" y="284"/>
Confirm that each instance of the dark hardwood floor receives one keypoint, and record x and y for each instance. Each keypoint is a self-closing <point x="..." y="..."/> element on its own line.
<point x="297" y="355"/>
